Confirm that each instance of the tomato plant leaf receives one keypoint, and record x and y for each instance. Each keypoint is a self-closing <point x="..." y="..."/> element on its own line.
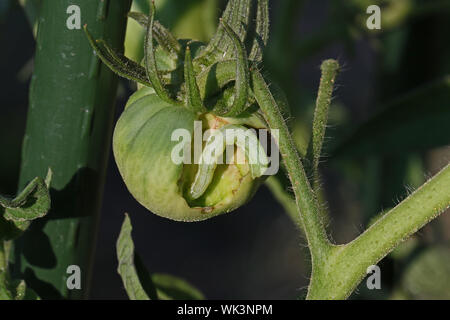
<point x="139" y="283"/>
<point x="32" y="203"/>
<point x="126" y="267"/>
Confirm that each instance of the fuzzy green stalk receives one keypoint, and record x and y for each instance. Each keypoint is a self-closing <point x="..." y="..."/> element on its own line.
<point x="330" y="69"/>
<point x="337" y="270"/>
<point x="305" y="198"/>
<point x="347" y="264"/>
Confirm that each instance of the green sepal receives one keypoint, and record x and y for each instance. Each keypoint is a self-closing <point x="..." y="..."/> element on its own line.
<point x="150" y="60"/>
<point x="193" y="100"/>
<point x="242" y="76"/>
<point x="164" y="38"/>
<point x="118" y="63"/>
<point x="126" y="267"/>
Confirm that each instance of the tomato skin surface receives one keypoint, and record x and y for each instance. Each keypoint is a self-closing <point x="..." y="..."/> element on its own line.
<point x="143" y="147"/>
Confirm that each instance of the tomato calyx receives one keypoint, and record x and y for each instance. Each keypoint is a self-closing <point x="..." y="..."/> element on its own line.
<point x="176" y="69"/>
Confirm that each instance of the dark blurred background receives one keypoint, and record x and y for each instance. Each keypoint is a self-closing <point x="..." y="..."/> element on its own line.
<point x="256" y="252"/>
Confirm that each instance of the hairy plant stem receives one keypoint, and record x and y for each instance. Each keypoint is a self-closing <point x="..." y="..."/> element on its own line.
<point x="347" y="265"/>
<point x="337" y="270"/>
<point x="330" y="70"/>
<point x="305" y="198"/>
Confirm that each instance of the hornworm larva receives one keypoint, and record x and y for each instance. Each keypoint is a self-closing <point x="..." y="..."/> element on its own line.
<point x="214" y="149"/>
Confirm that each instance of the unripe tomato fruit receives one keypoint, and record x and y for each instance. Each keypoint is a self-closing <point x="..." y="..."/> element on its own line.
<point x="142" y="149"/>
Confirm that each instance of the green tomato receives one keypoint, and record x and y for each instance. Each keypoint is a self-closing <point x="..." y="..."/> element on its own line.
<point x="143" y="146"/>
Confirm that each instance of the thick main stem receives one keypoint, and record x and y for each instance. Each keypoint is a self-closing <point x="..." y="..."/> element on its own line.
<point x="337" y="270"/>
<point x="69" y="127"/>
<point x="348" y="265"/>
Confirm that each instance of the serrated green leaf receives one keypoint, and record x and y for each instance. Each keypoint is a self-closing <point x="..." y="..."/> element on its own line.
<point x="126" y="267"/>
<point x="32" y="203"/>
<point x="139" y="283"/>
<point x="417" y="121"/>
